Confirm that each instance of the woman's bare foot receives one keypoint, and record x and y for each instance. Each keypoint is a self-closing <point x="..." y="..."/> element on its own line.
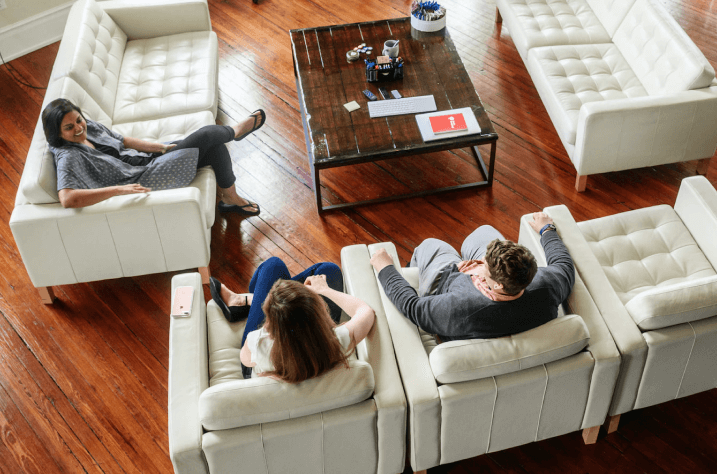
<point x="251" y="123"/>
<point x="235" y="299"/>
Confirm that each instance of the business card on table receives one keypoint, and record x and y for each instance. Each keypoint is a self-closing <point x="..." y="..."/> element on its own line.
<point x="351" y="106"/>
<point x="450" y="122"/>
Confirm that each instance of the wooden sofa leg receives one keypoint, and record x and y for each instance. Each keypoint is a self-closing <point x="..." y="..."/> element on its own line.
<point x="204" y="271"/>
<point x="498" y="18"/>
<point x="46" y="294"/>
<point x="703" y="165"/>
<point x="581" y="182"/>
<point x="590" y="435"/>
<point x="421" y="472"/>
<point x="611" y="423"/>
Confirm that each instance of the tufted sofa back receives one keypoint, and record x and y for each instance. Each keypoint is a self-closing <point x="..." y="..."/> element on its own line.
<point x="610" y="12"/>
<point x="91" y="53"/>
<point x="660" y="53"/>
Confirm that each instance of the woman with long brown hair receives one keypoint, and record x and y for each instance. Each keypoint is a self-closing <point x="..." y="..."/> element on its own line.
<point x="300" y="338"/>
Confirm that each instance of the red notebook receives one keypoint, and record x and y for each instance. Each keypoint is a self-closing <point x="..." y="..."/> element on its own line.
<point x="448" y="123"/>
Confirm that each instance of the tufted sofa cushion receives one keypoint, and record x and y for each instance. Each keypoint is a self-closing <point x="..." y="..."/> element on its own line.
<point x="474" y="359"/>
<point x="166" y="76"/>
<point x="552" y="22"/>
<point x="231" y="401"/>
<point x="660" y="52"/>
<point x="569" y="76"/>
<point x="654" y="265"/>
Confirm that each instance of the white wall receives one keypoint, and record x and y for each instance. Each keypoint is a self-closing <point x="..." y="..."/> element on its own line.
<point x="28" y="25"/>
<point x="18" y="10"/>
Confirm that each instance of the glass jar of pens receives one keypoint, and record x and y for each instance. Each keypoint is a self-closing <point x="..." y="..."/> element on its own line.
<point x="428" y="16"/>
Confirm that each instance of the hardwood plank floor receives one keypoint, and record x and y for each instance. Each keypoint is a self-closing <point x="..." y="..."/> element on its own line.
<point x="83" y="383"/>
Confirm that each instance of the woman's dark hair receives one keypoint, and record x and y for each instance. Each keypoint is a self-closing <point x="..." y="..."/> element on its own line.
<point x="511" y="265"/>
<point x="305" y="345"/>
<point x="52" y="120"/>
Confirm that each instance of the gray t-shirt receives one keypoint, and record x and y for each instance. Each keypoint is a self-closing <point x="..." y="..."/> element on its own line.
<point x="83" y="167"/>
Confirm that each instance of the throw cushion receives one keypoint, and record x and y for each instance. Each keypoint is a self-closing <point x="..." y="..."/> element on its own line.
<point x="262" y="399"/>
<point x="473" y="359"/>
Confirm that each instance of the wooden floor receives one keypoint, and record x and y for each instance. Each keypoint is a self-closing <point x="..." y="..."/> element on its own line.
<point x="83" y="383"/>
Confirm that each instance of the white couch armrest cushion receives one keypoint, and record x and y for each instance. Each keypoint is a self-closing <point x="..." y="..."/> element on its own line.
<point x="670" y="305"/>
<point x="473" y="359"/>
<point x="188" y="378"/>
<point x="696" y="205"/>
<point x="153" y="18"/>
<point x="614" y="135"/>
<point x="390" y="400"/>
<point x="263" y="399"/>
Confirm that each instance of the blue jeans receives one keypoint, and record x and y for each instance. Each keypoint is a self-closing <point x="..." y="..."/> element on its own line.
<point x="274" y="269"/>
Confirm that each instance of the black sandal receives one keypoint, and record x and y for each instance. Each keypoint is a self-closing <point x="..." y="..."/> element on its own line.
<point x="254" y="128"/>
<point x="231" y="313"/>
<point x="244" y="210"/>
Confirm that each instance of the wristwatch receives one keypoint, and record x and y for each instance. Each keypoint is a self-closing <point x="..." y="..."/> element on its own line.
<point x="546" y="228"/>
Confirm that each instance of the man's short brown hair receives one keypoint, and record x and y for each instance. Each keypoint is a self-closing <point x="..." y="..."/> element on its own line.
<point x="511" y="265"/>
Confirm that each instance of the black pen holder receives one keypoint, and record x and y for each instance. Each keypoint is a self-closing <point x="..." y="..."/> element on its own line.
<point x="390" y="71"/>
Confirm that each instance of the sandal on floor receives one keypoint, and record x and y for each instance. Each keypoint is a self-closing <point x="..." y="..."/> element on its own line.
<point x="245" y="210"/>
<point x="232" y="313"/>
<point x="255" y="127"/>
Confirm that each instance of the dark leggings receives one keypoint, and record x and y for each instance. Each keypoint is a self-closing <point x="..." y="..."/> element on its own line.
<point x="210" y="141"/>
<point x="274" y="269"/>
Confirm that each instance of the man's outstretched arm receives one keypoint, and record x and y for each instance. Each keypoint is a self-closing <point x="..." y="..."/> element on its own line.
<point x="422" y="311"/>
<point x="560" y="264"/>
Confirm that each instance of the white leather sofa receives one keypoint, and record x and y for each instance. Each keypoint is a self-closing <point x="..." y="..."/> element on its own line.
<point x="144" y="69"/>
<point x="652" y="274"/>
<point x="623" y="84"/>
<point x="467" y="398"/>
<point x="346" y="421"/>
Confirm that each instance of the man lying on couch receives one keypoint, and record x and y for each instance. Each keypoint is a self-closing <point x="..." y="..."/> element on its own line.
<point x="493" y="289"/>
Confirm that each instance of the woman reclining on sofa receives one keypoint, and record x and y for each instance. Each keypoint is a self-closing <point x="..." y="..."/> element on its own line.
<point x="94" y="163"/>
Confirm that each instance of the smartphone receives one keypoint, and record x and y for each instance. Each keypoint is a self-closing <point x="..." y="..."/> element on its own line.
<point x="384" y="93"/>
<point x="182" y="301"/>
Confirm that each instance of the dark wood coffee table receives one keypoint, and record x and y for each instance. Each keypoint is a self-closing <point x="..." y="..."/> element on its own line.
<point x="325" y="81"/>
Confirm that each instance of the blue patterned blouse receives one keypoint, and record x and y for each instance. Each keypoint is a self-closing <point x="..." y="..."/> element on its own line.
<point x="83" y="167"/>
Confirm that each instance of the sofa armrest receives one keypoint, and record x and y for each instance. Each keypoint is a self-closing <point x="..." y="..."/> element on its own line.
<point x="601" y="345"/>
<point x="188" y="378"/>
<point x="122" y="236"/>
<point x="140" y="19"/>
<point x="625" y="334"/>
<point x="388" y="395"/>
<point x="696" y="205"/>
<point x="616" y="135"/>
<point x="418" y="381"/>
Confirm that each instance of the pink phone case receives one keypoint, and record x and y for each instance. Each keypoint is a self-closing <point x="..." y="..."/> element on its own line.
<point x="182" y="306"/>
